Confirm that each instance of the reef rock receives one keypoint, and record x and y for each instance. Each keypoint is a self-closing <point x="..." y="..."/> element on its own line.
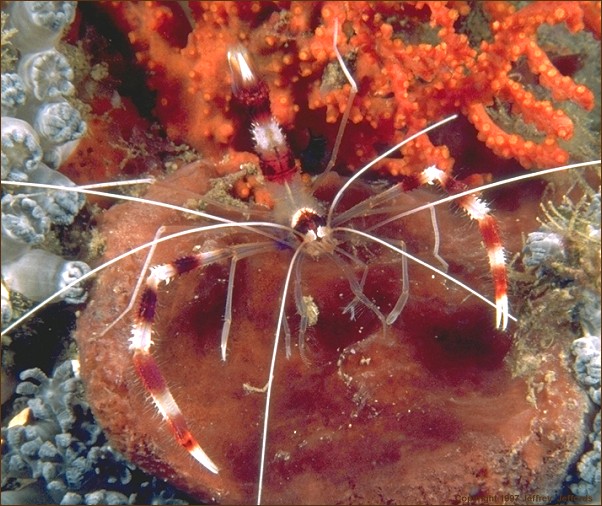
<point x="426" y="413"/>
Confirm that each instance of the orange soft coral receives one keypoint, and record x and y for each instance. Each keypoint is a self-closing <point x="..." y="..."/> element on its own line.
<point x="515" y="36"/>
<point x="414" y="63"/>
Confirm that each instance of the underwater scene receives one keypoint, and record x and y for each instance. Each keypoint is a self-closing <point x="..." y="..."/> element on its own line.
<point x="301" y="252"/>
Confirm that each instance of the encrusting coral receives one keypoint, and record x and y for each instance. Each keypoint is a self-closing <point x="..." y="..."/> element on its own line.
<point x="40" y="128"/>
<point x="415" y="63"/>
<point x="64" y="450"/>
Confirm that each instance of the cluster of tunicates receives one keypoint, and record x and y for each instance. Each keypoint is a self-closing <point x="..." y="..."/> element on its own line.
<point x="542" y="248"/>
<point x="545" y="252"/>
<point x="40" y="128"/>
<point x="61" y="455"/>
<point x="587" y="368"/>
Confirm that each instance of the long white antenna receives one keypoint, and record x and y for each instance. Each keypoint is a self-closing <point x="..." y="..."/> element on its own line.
<point x="352" y="93"/>
<point x="249" y="225"/>
<point x="522" y="177"/>
<point x="360" y="172"/>
<point x="268" y="397"/>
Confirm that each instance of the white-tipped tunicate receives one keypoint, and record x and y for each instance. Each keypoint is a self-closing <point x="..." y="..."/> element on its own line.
<point x="23" y="220"/>
<point x="589" y="312"/>
<point x="543" y="247"/>
<point x="39" y="25"/>
<point x="589" y="472"/>
<point x="55" y="156"/>
<point x="21" y="150"/>
<point x="38" y="125"/>
<point x="38" y="274"/>
<point x="13" y="93"/>
<point x="60" y="206"/>
<point x="586" y="350"/>
<point x="58" y="123"/>
<point x="46" y="75"/>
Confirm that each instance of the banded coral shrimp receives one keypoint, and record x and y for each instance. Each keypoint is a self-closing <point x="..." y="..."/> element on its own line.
<point x="354" y="365"/>
<point x="344" y="366"/>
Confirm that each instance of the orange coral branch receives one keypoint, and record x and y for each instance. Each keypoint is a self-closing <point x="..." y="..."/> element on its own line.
<point x="506" y="145"/>
<point x="412" y="62"/>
